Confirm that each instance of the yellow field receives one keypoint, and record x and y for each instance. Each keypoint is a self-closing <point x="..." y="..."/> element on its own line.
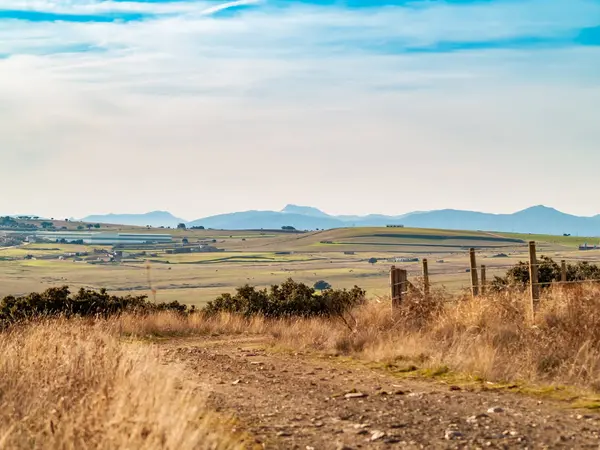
<point x="263" y="258"/>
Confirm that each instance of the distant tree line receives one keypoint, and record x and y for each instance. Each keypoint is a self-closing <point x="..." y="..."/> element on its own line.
<point x="11" y="222"/>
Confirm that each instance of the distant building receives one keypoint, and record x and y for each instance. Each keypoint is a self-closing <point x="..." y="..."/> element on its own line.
<point x="405" y="259"/>
<point x="102" y="238"/>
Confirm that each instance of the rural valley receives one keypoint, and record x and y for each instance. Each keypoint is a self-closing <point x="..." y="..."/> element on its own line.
<point x="196" y="265"/>
<point x="360" y="377"/>
<point x="299" y="224"/>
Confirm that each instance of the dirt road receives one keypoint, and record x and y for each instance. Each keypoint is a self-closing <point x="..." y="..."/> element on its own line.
<point x="296" y="401"/>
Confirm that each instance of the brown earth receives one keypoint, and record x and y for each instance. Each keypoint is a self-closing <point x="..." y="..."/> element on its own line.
<point x="302" y="401"/>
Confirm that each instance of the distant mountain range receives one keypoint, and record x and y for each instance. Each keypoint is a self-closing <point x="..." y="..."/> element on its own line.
<point x="537" y="219"/>
<point x="154" y="219"/>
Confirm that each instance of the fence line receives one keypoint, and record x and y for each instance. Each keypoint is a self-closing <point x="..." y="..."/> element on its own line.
<point x="401" y="286"/>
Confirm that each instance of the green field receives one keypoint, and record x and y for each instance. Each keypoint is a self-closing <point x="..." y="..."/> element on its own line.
<point x="568" y="241"/>
<point x="262" y="258"/>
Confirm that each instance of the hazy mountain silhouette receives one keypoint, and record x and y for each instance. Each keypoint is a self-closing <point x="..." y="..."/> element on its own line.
<point x="537" y="219"/>
<point x="154" y="219"/>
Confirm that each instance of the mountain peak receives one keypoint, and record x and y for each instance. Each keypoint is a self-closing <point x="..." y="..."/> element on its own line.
<point x="304" y="210"/>
<point x="539" y="209"/>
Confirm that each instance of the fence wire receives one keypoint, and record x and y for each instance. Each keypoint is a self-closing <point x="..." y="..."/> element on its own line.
<point x="491" y="269"/>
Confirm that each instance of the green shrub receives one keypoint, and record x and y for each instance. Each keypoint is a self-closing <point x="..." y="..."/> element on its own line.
<point x="321" y="285"/>
<point x="56" y="302"/>
<point x="290" y="299"/>
<point x="548" y="272"/>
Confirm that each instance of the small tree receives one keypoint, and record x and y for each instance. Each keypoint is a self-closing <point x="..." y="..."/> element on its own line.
<point x="89" y="226"/>
<point x="80" y="227"/>
<point x="181" y="226"/>
<point x="97" y="225"/>
<point x="372" y="260"/>
<point x="321" y="285"/>
<point x="46" y="225"/>
<point x="288" y="228"/>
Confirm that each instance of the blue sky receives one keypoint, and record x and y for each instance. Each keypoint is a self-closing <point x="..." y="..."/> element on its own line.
<point x="204" y="107"/>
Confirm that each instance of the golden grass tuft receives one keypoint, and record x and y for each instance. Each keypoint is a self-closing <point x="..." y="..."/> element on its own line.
<point x="171" y="324"/>
<point x="74" y="384"/>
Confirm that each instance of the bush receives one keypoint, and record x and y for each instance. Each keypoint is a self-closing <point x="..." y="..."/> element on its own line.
<point x="58" y="302"/>
<point x="321" y="285"/>
<point x="290" y="299"/>
<point x="548" y="272"/>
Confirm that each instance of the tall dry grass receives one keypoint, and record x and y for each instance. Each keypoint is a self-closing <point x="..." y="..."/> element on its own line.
<point x="491" y="337"/>
<point x="75" y="384"/>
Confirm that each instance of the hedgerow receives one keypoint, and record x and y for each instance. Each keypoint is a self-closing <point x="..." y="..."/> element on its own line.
<point x="290" y="299"/>
<point x="59" y="302"/>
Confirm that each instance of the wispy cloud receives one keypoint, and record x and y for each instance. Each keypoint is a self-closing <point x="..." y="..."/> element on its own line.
<point x="189" y="84"/>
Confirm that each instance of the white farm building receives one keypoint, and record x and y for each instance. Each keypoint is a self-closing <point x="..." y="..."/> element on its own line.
<point x="102" y="238"/>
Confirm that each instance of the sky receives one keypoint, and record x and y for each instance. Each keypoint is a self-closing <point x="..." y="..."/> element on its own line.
<point x="202" y="107"/>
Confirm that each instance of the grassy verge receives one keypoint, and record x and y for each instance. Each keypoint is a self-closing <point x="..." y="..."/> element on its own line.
<point x="72" y="384"/>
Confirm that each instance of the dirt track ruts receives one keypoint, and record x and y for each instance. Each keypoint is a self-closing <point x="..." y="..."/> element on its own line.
<point x="298" y="401"/>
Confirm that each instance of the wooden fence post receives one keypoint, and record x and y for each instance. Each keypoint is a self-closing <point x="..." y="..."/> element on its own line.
<point x="533" y="277"/>
<point x="399" y="286"/>
<point x="563" y="271"/>
<point x="483" y="279"/>
<point x="474" y="280"/>
<point x="425" y="277"/>
<point x="402" y="284"/>
<point x="393" y="286"/>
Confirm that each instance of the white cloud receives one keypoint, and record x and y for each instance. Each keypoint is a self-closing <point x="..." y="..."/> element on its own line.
<point x="90" y="7"/>
<point x="199" y="115"/>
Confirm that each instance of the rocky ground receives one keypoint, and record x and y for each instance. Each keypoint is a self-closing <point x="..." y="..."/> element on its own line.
<point x="299" y="401"/>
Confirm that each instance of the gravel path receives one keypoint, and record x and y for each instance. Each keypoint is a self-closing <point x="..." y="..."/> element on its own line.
<point x="297" y="401"/>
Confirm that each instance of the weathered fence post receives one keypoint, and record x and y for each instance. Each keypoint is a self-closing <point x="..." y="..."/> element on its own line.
<point x="563" y="271"/>
<point x="398" y="284"/>
<point x="474" y="280"/>
<point x="393" y="285"/>
<point x="425" y="277"/>
<point x="403" y="283"/>
<point x="533" y="277"/>
<point x="483" y="279"/>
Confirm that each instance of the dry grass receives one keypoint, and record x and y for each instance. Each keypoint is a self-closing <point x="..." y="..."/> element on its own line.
<point x="79" y="384"/>
<point x="169" y="324"/>
<point x="491" y="337"/>
<point x="73" y="384"/>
